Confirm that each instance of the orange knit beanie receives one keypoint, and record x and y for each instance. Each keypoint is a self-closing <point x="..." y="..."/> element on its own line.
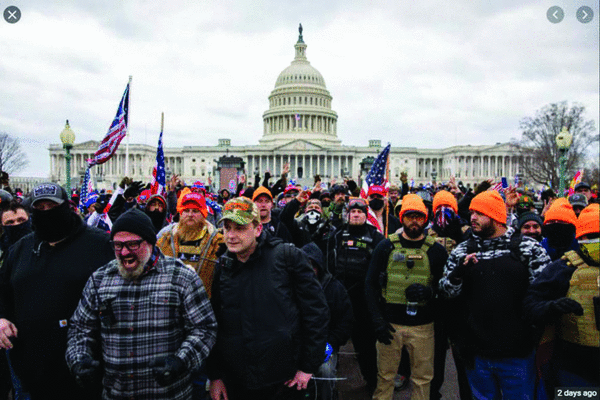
<point x="412" y="202"/>
<point x="561" y="210"/>
<point x="445" y="198"/>
<point x="490" y="204"/>
<point x="588" y="221"/>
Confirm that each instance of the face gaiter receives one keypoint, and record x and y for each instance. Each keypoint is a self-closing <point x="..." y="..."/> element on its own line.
<point x="376" y="204"/>
<point x="55" y="224"/>
<point x="15" y="232"/>
<point x="559" y="236"/>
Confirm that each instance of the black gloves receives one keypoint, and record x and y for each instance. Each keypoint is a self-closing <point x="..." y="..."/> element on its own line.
<point x="134" y="189"/>
<point x="167" y="369"/>
<point x="564" y="305"/>
<point x="383" y="331"/>
<point x="418" y="293"/>
<point x="87" y="372"/>
<point x="460" y="271"/>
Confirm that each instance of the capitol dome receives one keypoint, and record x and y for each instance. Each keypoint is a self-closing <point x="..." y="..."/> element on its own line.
<point x="300" y="105"/>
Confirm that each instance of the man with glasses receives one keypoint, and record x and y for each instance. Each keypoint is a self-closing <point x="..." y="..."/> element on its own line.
<point x="404" y="271"/>
<point x="145" y="316"/>
<point x="353" y="244"/>
<point x="40" y="284"/>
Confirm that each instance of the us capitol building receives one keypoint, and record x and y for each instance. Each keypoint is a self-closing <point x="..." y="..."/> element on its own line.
<point x="300" y="128"/>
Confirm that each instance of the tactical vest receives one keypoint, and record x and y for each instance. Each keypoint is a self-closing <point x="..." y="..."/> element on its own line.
<point x="405" y="267"/>
<point x="584" y="285"/>
<point x="353" y="255"/>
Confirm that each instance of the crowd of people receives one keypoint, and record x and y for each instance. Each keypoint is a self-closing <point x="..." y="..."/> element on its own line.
<point x="250" y="294"/>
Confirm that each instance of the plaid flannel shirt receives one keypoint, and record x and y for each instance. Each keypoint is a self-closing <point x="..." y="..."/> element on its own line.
<point x="164" y="312"/>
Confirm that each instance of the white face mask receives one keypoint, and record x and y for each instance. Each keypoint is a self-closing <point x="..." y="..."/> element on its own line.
<point x="313" y="216"/>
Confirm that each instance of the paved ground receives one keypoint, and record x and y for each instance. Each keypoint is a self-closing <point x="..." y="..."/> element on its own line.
<point x="353" y="388"/>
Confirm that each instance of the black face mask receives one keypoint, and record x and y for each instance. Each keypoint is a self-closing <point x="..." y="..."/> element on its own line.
<point x="376" y="204"/>
<point x="325" y="204"/>
<point x="15" y="232"/>
<point x="559" y="236"/>
<point x="157" y="217"/>
<point x="54" y="224"/>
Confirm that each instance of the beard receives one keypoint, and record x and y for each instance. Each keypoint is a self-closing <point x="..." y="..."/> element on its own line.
<point x="131" y="274"/>
<point x="188" y="231"/>
<point x="413" y="230"/>
<point x="484" y="231"/>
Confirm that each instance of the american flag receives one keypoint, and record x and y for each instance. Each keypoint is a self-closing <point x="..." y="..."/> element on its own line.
<point x="116" y="133"/>
<point x="86" y="189"/>
<point x="158" y="184"/>
<point x="376" y="176"/>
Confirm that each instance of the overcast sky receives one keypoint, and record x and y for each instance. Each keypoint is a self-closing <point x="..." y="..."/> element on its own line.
<point x="427" y="74"/>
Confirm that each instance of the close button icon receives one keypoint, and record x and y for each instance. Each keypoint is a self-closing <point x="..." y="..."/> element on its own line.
<point x="12" y="14"/>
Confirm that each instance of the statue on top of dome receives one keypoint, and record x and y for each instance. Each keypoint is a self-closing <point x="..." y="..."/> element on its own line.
<point x="300" y="36"/>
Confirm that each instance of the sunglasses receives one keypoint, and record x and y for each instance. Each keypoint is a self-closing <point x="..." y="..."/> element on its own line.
<point x="131" y="245"/>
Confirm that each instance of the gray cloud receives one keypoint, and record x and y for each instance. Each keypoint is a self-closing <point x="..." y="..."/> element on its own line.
<point x="421" y="74"/>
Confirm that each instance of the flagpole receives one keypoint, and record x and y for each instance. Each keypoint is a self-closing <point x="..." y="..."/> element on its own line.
<point x="162" y="121"/>
<point x="128" y="130"/>
<point x="387" y="195"/>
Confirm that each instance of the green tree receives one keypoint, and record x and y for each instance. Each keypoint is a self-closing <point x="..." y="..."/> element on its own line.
<point x="537" y="146"/>
<point x="12" y="158"/>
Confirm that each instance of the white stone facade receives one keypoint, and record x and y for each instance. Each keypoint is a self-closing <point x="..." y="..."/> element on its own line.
<point x="300" y="128"/>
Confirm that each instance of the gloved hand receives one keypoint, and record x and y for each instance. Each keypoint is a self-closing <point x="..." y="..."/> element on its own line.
<point x="383" y="331"/>
<point x="125" y="182"/>
<point x="483" y="186"/>
<point x="86" y="371"/>
<point x="565" y="305"/>
<point x="134" y="189"/>
<point x="403" y="177"/>
<point x="462" y="268"/>
<point x="167" y="369"/>
<point x="418" y="293"/>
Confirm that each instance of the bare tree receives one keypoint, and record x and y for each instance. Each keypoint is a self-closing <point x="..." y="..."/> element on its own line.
<point x="12" y="158"/>
<point x="591" y="175"/>
<point x="537" y="146"/>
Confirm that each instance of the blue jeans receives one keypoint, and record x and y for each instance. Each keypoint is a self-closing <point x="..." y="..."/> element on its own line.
<point x="503" y="378"/>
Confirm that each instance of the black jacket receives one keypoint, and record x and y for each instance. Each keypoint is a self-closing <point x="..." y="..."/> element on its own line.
<point x="272" y="316"/>
<point x="340" y="307"/>
<point x="553" y="283"/>
<point x="40" y="286"/>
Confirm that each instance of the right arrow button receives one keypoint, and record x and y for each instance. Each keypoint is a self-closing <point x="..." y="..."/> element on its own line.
<point x="585" y="14"/>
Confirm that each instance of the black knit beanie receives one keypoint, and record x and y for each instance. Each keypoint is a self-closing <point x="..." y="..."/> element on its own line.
<point x="135" y="221"/>
<point x="530" y="216"/>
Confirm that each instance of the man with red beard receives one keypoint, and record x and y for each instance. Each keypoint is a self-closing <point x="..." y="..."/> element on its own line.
<point x="146" y="316"/>
<point x="404" y="272"/>
<point x="193" y="240"/>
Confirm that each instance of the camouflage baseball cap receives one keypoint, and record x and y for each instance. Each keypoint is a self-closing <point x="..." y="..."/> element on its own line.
<point x="240" y="210"/>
